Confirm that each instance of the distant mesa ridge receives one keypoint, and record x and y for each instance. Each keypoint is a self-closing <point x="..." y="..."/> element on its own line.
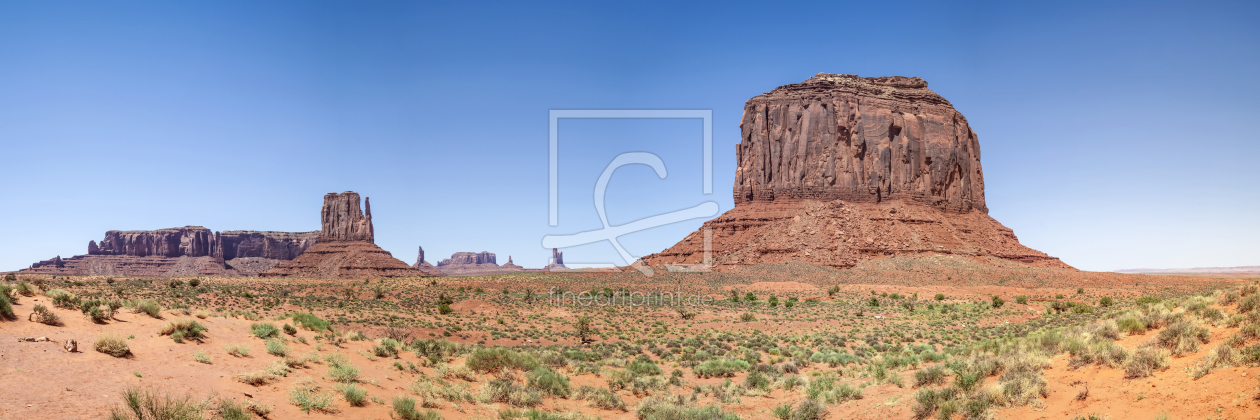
<point x="840" y="168"/>
<point x="475" y="264"/>
<point x="1195" y="270"/>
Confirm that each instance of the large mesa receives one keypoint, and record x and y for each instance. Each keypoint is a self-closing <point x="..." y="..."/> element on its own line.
<point x="841" y="168"/>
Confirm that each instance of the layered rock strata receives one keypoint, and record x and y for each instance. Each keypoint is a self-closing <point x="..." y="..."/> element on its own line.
<point x="841" y="168"/>
<point x="345" y="247"/>
<point x="186" y="251"/>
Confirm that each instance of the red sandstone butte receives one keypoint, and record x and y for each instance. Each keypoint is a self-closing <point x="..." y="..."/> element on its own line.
<point x="840" y="168"/>
<point x="345" y="248"/>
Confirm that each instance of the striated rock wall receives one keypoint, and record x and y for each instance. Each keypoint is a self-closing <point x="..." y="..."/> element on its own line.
<point x="341" y="219"/>
<point x="858" y="139"/>
<point x="262" y="244"/>
<point x="191" y="241"/>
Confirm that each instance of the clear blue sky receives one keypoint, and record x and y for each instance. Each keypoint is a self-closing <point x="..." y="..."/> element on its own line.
<point x="1114" y="135"/>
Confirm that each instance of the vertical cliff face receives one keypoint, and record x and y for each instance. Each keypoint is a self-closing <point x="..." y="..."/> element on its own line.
<point x="190" y="241"/>
<point x="858" y="139"/>
<point x="261" y="244"/>
<point x="342" y="220"/>
<point x="839" y="169"/>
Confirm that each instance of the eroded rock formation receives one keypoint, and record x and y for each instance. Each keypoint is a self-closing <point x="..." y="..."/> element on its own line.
<point x="345" y="248"/>
<point x="841" y="168"/>
<point x="424" y="266"/>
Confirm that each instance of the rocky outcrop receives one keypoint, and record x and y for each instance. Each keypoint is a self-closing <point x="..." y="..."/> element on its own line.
<point x="858" y="139"/>
<point x="233" y="244"/>
<point x="424" y="266"/>
<point x="345" y="248"/>
<point x="511" y="265"/>
<point x="840" y="169"/>
<point x="342" y="220"/>
<point x="557" y="260"/>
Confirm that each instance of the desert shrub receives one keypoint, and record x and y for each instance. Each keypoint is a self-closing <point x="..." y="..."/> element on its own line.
<point x="1023" y="382"/>
<point x="504" y="390"/>
<point x="289" y="329"/>
<point x="276" y="347"/>
<point x="230" y="410"/>
<point x="436" y="350"/>
<point x="1222" y="356"/>
<point x="548" y="382"/>
<point x="1106" y="301"/>
<point x="444" y="309"/>
<point x="667" y="408"/>
<point x="264" y="330"/>
<point x="928" y="401"/>
<point x="201" y="357"/>
<point x="183" y="328"/>
<point x="931" y="375"/>
<point x="405" y="409"/>
<point x="1182" y="336"/>
<point x="1107" y="329"/>
<point x="722" y="368"/>
<point x="1249" y="303"/>
<point x="6" y="308"/>
<point x="148" y="307"/>
<point x="353" y="394"/>
<point x="997" y="302"/>
<point x="492" y="359"/>
<point x="311" y="322"/>
<point x="600" y="398"/>
<point x="747" y="317"/>
<point x="343" y="372"/>
<point x="141" y="404"/>
<point x="307" y="399"/>
<point x="387" y="348"/>
<point x="756" y="380"/>
<point x="1021" y="299"/>
<point x="26" y="289"/>
<point x="1145" y="361"/>
<point x="1130" y="324"/>
<point x="643" y="367"/>
<point x="112" y="344"/>
<point x="239" y="350"/>
<point x="42" y="315"/>
<point x="63" y="299"/>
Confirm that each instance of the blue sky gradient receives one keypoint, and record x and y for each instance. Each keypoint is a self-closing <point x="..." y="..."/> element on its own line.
<point x="1114" y="134"/>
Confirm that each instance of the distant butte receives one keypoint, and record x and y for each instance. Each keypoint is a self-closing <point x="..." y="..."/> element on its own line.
<point x="840" y="169"/>
<point x="345" y="248"/>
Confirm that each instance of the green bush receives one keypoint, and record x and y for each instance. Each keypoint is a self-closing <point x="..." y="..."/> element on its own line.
<point x="940" y="296"/>
<point x="307" y="399"/>
<point x="1183" y="336"/>
<point x="183" y="328"/>
<point x="343" y="372"/>
<point x="149" y="307"/>
<point x="1021" y="299"/>
<point x="548" y="382"/>
<point x="931" y="375"/>
<point x="747" y="317"/>
<point x="1105" y="301"/>
<point x="405" y="409"/>
<point x="600" y="398"/>
<point x="288" y="329"/>
<point x="1130" y="324"/>
<point x="444" y="309"/>
<point x="264" y="330"/>
<point x="6" y="308"/>
<point x="141" y="404"/>
<point x="997" y="302"/>
<point x="492" y="359"/>
<point x="277" y="347"/>
<point x="721" y="368"/>
<point x="353" y="394"/>
<point x="663" y="408"/>
<point x="311" y="322"/>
